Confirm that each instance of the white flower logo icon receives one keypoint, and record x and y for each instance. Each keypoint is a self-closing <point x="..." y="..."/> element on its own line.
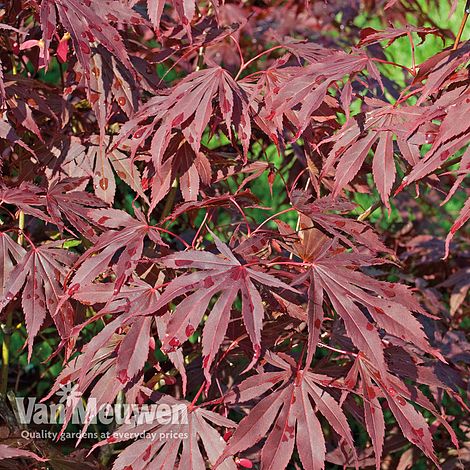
<point x="69" y="394"/>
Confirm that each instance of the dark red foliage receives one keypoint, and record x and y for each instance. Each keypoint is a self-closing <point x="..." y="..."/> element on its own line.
<point x="137" y="138"/>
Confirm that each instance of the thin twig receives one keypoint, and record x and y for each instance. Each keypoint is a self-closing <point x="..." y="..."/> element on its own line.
<point x="341" y="351"/>
<point x="246" y="64"/>
<point x="200" y="58"/>
<point x="462" y="25"/>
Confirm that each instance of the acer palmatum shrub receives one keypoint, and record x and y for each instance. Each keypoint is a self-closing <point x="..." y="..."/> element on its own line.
<point x="252" y="212"/>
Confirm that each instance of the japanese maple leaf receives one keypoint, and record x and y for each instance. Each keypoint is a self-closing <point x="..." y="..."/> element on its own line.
<point x="27" y="197"/>
<point x="451" y="136"/>
<point x="188" y="108"/>
<point x="134" y="298"/>
<point x="333" y="275"/>
<point x="223" y="275"/>
<point x="99" y="377"/>
<point x="262" y="91"/>
<point x="406" y="363"/>
<point x="370" y="36"/>
<point x="25" y="96"/>
<point x="128" y="241"/>
<point x="308" y="89"/>
<point x="389" y="304"/>
<point x="87" y="22"/>
<point x="290" y="412"/>
<point x="132" y="351"/>
<point x="41" y="271"/>
<point x="356" y="139"/>
<point x="328" y="213"/>
<point x="194" y="426"/>
<point x="64" y="200"/>
<point x="398" y="395"/>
